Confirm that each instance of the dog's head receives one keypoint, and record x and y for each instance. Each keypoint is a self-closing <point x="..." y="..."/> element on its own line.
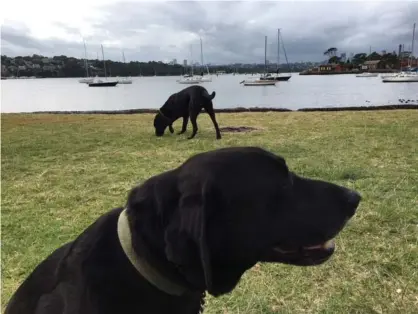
<point x="161" y="121"/>
<point x="227" y="209"/>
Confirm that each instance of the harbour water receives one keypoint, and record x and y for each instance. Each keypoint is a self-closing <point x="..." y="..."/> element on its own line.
<point x="67" y="94"/>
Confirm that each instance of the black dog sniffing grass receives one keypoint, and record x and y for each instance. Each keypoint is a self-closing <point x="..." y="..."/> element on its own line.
<point x="187" y="103"/>
<point x="189" y="230"/>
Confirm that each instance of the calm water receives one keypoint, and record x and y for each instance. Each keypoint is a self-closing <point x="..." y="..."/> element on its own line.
<point x="151" y="92"/>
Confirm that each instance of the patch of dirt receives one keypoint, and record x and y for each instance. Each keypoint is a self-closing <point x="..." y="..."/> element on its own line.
<point x="237" y="129"/>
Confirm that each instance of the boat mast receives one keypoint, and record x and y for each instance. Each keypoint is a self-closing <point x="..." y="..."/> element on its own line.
<point x="85" y="59"/>
<point x="265" y="55"/>
<point x="191" y="56"/>
<point x="123" y="57"/>
<point x="285" y="55"/>
<point x="413" y="41"/>
<point x="278" y="50"/>
<point x="104" y="62"/>
<point x="201" y="53"/>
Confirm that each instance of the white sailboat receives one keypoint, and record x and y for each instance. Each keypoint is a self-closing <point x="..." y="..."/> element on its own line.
<point x="124" y="80"/>
<point x="190" y="79"/>
<point x="404" y="76"/>
<point x="87" y="79"/>
<point x="261" y="82"/>
<point x="208" y="77"/>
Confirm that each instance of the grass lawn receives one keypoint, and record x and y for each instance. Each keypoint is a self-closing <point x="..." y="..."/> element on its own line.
<point x="61" y="172"/>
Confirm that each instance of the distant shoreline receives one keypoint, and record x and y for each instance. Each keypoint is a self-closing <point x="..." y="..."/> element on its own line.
<point x="233" y="110"/>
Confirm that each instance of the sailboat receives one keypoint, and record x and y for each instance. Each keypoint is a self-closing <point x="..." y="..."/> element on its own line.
<point x="124" y="80"/>
<point x="203" y="78"/>
<point x="98" y="82"/>
<point x="277" y="76"/>
<point x="261" y="82"/>
<point x="190" y="79"/>
<point x="407" y="76"/>
<point x="87" y="79"/>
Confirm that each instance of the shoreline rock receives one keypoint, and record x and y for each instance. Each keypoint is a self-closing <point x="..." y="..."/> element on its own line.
<point x="234" y="110"/>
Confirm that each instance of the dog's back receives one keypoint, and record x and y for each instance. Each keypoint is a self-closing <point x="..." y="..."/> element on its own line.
<point x="57" y="283"/>
<point x="92" y="275"/>
<point x="32" y="295"/>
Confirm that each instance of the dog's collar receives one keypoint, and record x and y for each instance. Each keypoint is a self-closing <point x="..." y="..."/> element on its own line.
<point x="140" y="264"/>
<point x="163" y="115"/>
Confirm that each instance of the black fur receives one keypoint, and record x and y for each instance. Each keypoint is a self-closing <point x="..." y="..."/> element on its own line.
<point x="187" y="103"/>
<point x="202" y="225"/>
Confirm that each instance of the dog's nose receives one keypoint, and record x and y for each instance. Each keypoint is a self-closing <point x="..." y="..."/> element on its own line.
<point x="353" y="200"/>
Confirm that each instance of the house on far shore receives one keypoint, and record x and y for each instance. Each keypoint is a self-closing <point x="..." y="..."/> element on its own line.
<point x="332" y="67"/>
<point x="372" y="65"/>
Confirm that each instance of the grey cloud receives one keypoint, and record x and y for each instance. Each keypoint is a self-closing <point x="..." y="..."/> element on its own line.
<point x="147" y="31"/>
<point x="68" y="29"/>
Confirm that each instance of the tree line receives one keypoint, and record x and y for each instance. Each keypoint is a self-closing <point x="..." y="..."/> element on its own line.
<point x="63" y="66"/>
<point x="391" y="60"/>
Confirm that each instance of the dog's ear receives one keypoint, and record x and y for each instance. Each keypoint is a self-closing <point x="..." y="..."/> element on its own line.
<point x="186" y="237"/>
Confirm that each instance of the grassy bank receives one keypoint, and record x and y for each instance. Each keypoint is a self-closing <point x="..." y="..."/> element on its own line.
<point x="60" y="172"/>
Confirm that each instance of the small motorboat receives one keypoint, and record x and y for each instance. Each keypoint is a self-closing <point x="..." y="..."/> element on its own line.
<point x="367" y="74"/>
<point x="258" y="83"/>
<point x="125" y="80"/>
<point x="86" y="80"/>
<point x="190" y="80"/>
<point x="386" y="75"/>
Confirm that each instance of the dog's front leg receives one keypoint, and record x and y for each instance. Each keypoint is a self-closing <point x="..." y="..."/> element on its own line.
<point x="193" y="118"/>
<point x="211" y="114"/>
<point x="184" y="127"/>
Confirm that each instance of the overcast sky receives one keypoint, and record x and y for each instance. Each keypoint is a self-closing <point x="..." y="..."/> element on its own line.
<point x="231" y="31"/>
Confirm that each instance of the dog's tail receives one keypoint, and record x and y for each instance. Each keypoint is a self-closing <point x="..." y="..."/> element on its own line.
<point x="211" y="96"/>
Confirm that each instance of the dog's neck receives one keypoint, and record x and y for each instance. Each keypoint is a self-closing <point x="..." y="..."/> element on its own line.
<point x="141" y="265"/>
<point x="165" y="115"/>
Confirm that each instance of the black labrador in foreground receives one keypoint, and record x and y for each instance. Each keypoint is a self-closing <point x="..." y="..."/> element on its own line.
<point x="193" y="229"/>
<point x="184" y="104"/>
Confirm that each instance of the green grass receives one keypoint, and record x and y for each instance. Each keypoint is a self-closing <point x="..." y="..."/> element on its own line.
<point x="61" y="172"/>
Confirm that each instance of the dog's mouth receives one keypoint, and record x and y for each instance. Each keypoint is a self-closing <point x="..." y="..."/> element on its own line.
<point x="301" y="256"/>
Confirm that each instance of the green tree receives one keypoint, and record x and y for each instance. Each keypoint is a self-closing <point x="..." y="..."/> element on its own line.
<point x="390" y="60"/>
<point x="359" y="58"/>
<point x="334" y="59"/>
<point x="374" y="56"/>
<point x="331" y="52"/>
